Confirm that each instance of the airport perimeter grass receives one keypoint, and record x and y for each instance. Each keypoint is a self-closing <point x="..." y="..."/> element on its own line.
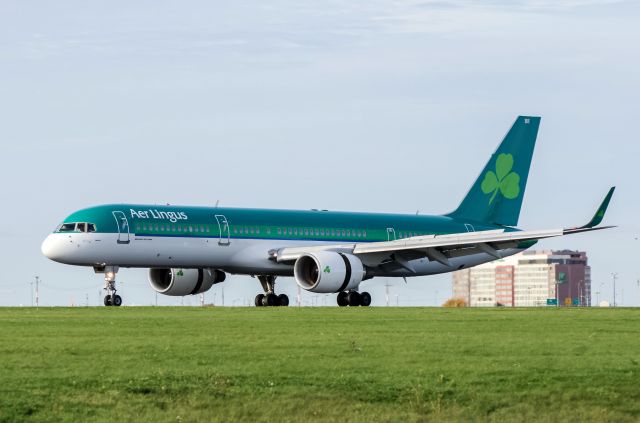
<point x="322" y="364"/>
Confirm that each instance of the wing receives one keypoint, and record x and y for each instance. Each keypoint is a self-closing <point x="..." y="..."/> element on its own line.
<point x="441" y="248"/>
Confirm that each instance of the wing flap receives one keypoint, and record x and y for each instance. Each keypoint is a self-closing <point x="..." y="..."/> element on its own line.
<point x="454" y="241"/>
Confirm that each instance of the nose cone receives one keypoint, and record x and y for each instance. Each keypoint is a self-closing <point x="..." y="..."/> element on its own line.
<point x="51" y="248"/>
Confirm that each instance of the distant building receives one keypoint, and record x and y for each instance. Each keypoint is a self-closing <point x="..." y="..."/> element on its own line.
<point x="528" y="279"/>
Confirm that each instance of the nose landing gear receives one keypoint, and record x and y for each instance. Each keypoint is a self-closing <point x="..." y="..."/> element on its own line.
<point x="354" y="299"/>
<point x="111" y="299"/>
<point x="270" y="298"/>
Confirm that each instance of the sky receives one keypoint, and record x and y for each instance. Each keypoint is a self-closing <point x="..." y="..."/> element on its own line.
<point x="382" y="106"/>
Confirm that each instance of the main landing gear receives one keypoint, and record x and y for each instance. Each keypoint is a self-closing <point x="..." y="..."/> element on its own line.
<point x="111" y="299"/>
<point x="354" y="299"/>
<point x="269" y="298"/>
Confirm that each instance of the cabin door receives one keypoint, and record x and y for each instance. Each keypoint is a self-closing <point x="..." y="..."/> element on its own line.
<point x="223" y="227"/>
<point x="391" y="234"/>
<point x="123" y="227"/>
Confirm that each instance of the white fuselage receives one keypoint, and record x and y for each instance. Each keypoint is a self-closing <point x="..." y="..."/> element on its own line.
<point x="237" y="256"/>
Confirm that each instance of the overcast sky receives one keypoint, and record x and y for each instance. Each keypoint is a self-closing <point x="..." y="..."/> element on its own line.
<point x="383" y="106"/>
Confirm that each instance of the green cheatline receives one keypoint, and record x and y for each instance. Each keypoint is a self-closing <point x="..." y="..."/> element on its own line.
<point x="502" y="180"/>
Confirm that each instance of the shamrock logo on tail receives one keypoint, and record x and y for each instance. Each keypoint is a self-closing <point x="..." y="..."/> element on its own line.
<point x="502" y="180"/>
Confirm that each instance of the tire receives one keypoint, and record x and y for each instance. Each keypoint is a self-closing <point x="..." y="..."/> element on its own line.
<point x="258" y="300"/>
<point x="365" y="299"/>
<point x="284" y="300"/>
<point x="272" y="300"/>
<point x="342" y="299"/>
<point x="353" y="298"/>
<point x="107" y="300"/>
<point x="116" y="300"/>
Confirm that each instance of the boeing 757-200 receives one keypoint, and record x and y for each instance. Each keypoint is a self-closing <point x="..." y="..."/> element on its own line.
<point x="189" y="249"/>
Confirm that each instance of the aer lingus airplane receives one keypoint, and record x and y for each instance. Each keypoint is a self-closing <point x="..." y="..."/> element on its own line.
<point x="188" y="249"/>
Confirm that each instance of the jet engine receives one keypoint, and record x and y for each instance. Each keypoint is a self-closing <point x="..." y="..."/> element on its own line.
<point x="179" y="282"/>
<point x="328" y="271"/>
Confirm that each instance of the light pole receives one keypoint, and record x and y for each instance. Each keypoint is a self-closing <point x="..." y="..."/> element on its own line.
<point x="615" y="277"/>
<point x="37" y="291"/>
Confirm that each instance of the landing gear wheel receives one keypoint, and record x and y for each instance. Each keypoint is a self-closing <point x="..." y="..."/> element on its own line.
<point x="342" y="299"/>
<point x="353" y="297"/>
<point x="271" y="300"/>
<point x="365" y="299"/>
<point x="284" y="300"/>
<point x="111" y="299"/>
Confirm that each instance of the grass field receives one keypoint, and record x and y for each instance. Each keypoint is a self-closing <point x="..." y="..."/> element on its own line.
<point x="322" y="364"/>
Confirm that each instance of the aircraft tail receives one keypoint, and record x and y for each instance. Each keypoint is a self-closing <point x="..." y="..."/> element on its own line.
<point x="496" y="196"/>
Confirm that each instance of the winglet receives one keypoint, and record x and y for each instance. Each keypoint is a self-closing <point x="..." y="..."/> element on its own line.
<point x="597" y="218"/>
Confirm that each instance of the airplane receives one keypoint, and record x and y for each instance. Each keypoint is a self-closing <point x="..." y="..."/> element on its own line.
<point x="189" y="249"/>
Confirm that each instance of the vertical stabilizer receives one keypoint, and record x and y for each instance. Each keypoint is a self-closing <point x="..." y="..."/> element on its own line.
<point x="496" y="196"/>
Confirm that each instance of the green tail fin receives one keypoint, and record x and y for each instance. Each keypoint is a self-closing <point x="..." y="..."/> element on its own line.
<point x="496" y="196"/>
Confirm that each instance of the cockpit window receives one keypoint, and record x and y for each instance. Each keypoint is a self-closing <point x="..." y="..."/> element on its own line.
<point x="77" y="227"/>
<point x="67" y="227"/>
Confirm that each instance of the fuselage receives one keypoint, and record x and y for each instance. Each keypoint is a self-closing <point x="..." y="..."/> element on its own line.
<point x="237" y="240"/>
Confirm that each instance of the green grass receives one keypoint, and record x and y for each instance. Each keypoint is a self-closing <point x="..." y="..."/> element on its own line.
<point x="323" y="364"/>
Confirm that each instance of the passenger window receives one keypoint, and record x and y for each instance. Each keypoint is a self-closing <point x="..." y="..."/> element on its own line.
<point x="321" y="232"/>
<point x="306" y="231"/>
<point x="279" y="231"/>
<point x="364" y="234"/>
<point x="190" y="228"/>
<point x="251" y="230"/>
<point x="258" y="231"/>
<point x="91" y="227"/>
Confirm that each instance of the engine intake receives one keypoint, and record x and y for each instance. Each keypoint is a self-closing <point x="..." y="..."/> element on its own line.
<point x="328" y="271"/>
<point x="180" y="282"/>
